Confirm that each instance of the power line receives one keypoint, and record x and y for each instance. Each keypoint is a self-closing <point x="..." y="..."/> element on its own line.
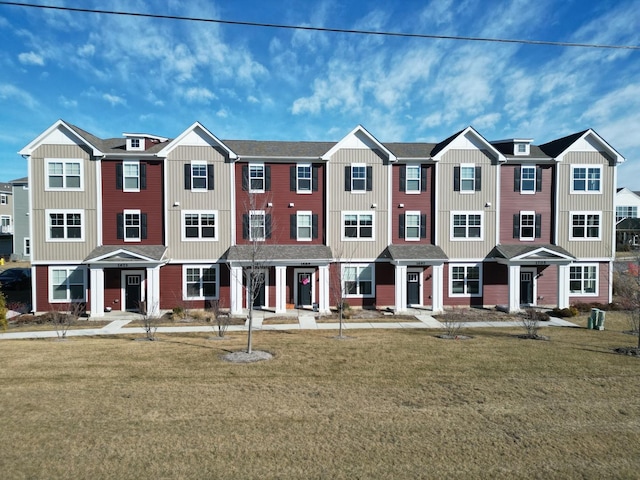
<point x="326" y="29"/>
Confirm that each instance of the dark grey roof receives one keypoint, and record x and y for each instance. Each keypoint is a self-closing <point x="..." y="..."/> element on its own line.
<point x="153" y="252"/>
<point x="263" y="148"/>
<point x="417" y="252"/>
<point x="113" y="145"/>
<point x="410" y="150"/>
<point x="20" y="181"/>
<point x="632" y="224"/>
<point x="511" y="251"/>
<point x="275" y="253"/>
<point x="556" y="147"/>
<point x="5" y="187"/>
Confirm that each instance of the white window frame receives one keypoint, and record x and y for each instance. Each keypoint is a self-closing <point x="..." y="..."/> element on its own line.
<point x="472" y="166"/>
<point x="630" y="211"/>
<point x="4" y="199"/>
<point x="131" y="146"/>
<point x="124" y="225"/>
<point x="68" y="269"/>
<point x="413" y="191"/>
<point x="256" y="213"/>
<point x="65" y="238"/>
<point x="466" y="267"/>
<point x="412" y="213"/>
<point x="308" y="214"/>
<point x="66" y="162"/>
<point x="26" y="243"/>
<point x="199" y="164"/>
<point x="521" y="148"/>
<point x="5" y="224"/>
<point x="466" y="238"/>
<point x="130" y="163"/>
<point x="359" y="268"/>
<point x="201" y="268"/>
<point x="200" y="214"/>
<point x="585" y="214"/>
<point x="358" y="237"/>
<point x="299" y="189"/>
<point x="582" y="292"/>
<point x="586" y="180"/>
<point x="254" y="167"/>
<point x="532" y="214"/>
<point x="363" y="179"/>
<point x="531" y="191"/>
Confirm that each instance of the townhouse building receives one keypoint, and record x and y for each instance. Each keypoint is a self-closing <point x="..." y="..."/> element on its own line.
<point x="21" y="235"/>
<point x="6" y="220"/>
<point x="148" y="222"/>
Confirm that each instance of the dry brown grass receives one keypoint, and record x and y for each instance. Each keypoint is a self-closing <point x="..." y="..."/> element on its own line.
<point x="381" y="404"/>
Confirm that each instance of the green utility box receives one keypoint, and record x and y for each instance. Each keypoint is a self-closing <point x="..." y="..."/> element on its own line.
<point x="596" y="319"/>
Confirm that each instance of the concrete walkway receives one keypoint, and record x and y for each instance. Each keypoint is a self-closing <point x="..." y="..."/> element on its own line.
<point x="305" y="322"/>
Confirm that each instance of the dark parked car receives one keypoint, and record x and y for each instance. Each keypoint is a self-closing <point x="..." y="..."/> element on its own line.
<point x="15" y="278"/>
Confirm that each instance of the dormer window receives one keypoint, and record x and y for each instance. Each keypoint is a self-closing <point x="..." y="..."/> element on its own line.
<point x="135" y="144"/>
<point x="521" y="148"/>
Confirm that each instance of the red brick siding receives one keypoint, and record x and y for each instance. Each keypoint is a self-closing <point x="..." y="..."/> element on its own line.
<point x="385" y="284"/>
<point x="171" y="288"/>
<point x="495" y="279"/>
<point x="421" y="202"/>
<point x="113" y="288"/>
<point x="547" y="286"/>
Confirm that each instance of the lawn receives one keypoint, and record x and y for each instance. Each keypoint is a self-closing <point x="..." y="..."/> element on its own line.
<point x="379" y="404"/>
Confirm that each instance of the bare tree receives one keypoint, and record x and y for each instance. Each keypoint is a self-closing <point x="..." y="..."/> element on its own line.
<point x="340" y="287"/>
<point x="530" y="322"/>
<point x="65" y="317"/>
<point x="627" y="289"/>
<point x="149" y="320"/>
<point x="220" y="318"/>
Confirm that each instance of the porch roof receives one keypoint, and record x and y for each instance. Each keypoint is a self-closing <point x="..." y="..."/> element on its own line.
<point x="415" y="253"/>
<point x="119" y="254"/>
<point x="281" y="254"/>
<point x="531" y="253"/>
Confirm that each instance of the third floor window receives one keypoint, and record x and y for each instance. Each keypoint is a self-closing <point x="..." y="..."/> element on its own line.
<point x="585" y="179"/>
<point x="64" y="174"/>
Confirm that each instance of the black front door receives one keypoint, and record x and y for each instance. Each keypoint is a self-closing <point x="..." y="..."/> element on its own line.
<point x="133" y="292"/>
<point x="258" y="280"/>
<point x="413" y="288"/>
<point x="526" y="288"/>
<point x="304" y="289"/>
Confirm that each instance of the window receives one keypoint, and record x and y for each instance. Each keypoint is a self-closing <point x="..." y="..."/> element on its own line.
<point x="3" y="199"/>
<point x="527" y="225"/>
<point x="412" y="226"/>
<point x="64" y="174"/>
<point x="65" y="225"/>
<point x="357" y="225"/>
<point x="5" y="224"/>
<point x="67" y="284"/>
<point x="466" y="226"/>
<point x="585" y="179"/>
<point x="585" y="226"/>
<point x="467" y="178"/>
<point x="358" y="280"/>
<point x="465" y="280"/>
<point x="257" y="225"/>
<point x="199" y="225"/>
<point x="623" y="212"/>
<point x="256" y="178"/>
<point x="198" y="176"/>
<point x="200" y="282"/>
<point x="358" y="178"/>
<point x="583" y="279"/>
<point x="303" y="184"/>
<point x="528" y="179"/>
<point x="131" y="176"/>
<point x="304" y="228"/>
<point x="27" y="247"/>
<point x="413" y="179"/>
<point x="521" y="148"/>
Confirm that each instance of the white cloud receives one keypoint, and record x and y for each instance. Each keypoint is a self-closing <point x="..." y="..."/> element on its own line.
<point x="13" y="93"/>
<point x="87" y="50"/>
<point x="31" y="58"/>
<point x="488" y="120"/>
<point x="198" y="94"/>
<point x="66" y="102"/>
<point x="252" y="99"/>
<point x="114" y="99"/>
<point x="222" y="113"/>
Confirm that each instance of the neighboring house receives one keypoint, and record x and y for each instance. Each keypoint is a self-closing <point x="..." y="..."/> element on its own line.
<point x="462" y="222"/>
<point x="627" y="218"/>
<point x="6" y="220"/>
<point x="21" y="234"/>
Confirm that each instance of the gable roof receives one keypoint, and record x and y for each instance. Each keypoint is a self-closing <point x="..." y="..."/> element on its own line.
<point x="80" y="135"/>
<point x="441" y="148"/>
<point x="558" y="148"/>
<point x="172" y="144"/>
<point x="356" y="132"/>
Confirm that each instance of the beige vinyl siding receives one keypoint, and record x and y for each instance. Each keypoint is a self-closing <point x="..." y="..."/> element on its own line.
<point x="603" y="202"/>
<point x="218" y="199"/>
<point x="62" y="200"/>
<point x="341" y="201"/>
<point x="450" y="200"/>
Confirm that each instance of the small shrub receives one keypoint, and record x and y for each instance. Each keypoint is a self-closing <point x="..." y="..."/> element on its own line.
<point x="564" y="312"/>
<point x="179" y="313"/>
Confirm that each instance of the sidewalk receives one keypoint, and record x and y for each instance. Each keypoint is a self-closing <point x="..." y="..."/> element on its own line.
<point x="305" y="322"/>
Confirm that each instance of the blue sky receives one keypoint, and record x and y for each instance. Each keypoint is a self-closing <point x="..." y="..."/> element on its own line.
<point x="114" y="74"/>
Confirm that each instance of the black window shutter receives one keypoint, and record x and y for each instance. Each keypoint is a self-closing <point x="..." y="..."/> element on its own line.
<point x="478" y="179"/>
<point x="143" y="176"/>
<point x="314" y="225"/>
<point x="292" y="179"/>
<point x="245" y="225"/>
<point x="187" y="176"/>
<point x="267" y="178"/>
<point x="293" y="226"/>
<point x="538" y="225"/>
<point x="314" y="178"/>
<point x="119" y="176"/>
<point x="267" y="225"/>
<point x="423" y="178"/>
<point x="347" y="178"/>
<point x="401" y="225"/>
<point x="516" y="178"/>
<point x="423" y="225"/>
<point x="143" y="225"/>
<point x="245" y="177"/>
<point x="516" y="225"/>
<point x="456" y="179"/>
<point x="210" y="177"/>
<point x="403" y="178"/>
<point x="120" y="226"/>
<point x="369" y="179"/>
<point x="538" y="179"/>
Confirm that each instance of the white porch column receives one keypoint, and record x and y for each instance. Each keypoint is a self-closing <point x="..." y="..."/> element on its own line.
<point x="323" y="287"/>
<point x="153" y="291"/>
<point x="437" y="286"/>
<point x="514" y="288"/>
<point x="401" y="288"/>
<point x="563" y="286"/>
<point x="281" y="288"/>
<point x="235" y="281"/>
<point x="96" y="279"/>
